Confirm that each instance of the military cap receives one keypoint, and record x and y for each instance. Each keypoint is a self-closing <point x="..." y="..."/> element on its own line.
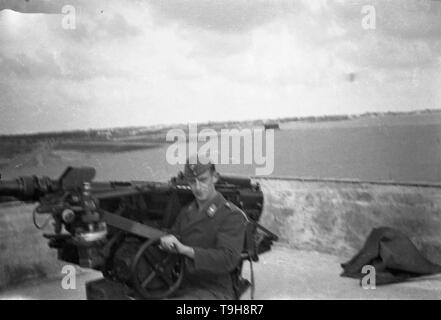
<point x="197" y="165"/>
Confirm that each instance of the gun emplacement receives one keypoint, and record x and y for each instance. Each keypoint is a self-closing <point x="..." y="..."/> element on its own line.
<point x="113" y="226"/>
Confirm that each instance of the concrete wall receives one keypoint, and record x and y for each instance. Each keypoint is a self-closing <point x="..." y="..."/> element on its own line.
<point x="24" y="253"/>
<point x="336" y="217"/>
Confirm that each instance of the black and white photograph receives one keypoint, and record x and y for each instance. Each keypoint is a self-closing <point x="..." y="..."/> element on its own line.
<point x="228" y="150"/>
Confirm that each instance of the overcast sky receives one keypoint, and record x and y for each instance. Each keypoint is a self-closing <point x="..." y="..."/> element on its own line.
<point x="150" y="62"/>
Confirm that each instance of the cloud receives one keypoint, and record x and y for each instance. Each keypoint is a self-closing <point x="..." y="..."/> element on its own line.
<point x="223" y="16"/>
<point x="406" y="34"/>
<point x="24" y="66"/>
<point x="95" y="20"/>
<point x="92" y="27"/>
<point x="35" y="45"/>
<point x="147" y="62"/>
<point x="35" y="6"/>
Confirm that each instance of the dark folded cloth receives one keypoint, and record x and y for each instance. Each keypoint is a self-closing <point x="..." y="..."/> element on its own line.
<point x="392" y="254"/>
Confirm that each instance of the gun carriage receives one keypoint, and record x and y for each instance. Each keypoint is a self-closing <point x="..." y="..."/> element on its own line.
<point x="114" y="227"/>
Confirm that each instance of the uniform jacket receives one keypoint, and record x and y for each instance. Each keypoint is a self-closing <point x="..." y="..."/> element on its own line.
<point x="216" y="232"/>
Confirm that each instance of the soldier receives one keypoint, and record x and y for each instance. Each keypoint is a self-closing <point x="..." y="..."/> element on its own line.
<point x="209" y="233"/>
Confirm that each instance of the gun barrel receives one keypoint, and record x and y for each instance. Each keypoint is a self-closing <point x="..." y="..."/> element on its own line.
<point x="10" y="188"/>
<point x="27" y="187"/>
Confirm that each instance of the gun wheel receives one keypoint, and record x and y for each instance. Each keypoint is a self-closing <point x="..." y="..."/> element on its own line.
<point x="156" y="274"/>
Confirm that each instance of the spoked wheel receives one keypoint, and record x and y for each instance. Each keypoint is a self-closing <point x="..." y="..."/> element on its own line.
<point x="156" y="274"/>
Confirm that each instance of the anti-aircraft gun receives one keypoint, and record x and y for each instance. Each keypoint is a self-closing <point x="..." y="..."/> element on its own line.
<point x="114" y="227"/>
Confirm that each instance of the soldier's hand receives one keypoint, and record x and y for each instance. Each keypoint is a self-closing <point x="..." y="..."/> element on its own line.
<point x="169" y="243"/>
<point x="172" y="244"/>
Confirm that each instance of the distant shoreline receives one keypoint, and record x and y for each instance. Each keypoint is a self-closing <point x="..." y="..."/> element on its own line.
<point x="117" y="140"/>
<point x="117" y="132"/>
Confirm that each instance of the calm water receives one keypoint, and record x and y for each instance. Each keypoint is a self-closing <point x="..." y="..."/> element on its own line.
<point x="399" y="148"/>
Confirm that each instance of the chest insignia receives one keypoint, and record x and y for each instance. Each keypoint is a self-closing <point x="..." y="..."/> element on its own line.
<point x="211" y="210"/>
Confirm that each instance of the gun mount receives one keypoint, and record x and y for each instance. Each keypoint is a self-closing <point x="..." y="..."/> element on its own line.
<point x="114" y="227"/>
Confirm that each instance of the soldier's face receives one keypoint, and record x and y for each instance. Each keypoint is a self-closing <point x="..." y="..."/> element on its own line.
<point x="203" y="186"/>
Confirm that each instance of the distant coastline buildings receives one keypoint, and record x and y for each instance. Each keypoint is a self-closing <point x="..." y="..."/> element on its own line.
<point x="271" y="125"/>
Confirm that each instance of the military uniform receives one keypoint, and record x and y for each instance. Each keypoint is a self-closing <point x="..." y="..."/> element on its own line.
<point x="216" y="233"/>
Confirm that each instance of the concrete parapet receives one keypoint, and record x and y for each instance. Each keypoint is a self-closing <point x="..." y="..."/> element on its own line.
<point x="336" y="217"/>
